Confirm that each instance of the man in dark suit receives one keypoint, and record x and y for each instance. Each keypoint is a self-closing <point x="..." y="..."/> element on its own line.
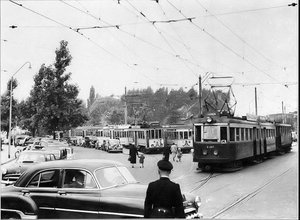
<point x="163" y="197"/>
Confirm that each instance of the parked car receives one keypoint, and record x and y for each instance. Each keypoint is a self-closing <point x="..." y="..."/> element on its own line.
<point x="59" y="149"/>
<point x="113" y="145"/>
<point x="70" y="153"/>
<point x="26" y="159"/>
<point x="106" y="190"/>
<point x="30" y="140"/>
<point x="20" y="139"/>
<point x="90" y="141"/>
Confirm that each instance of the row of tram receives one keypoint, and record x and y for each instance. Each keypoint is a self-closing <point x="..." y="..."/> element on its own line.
<point x="223" y="142"/>
<point x="148" y="138"/>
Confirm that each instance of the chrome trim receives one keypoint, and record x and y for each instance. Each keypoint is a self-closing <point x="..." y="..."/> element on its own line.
<point x="94" y="212"/>
<point x="21" y="214"/>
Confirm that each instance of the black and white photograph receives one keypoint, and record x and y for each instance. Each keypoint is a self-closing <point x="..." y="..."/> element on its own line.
<point x="149" y="109"/>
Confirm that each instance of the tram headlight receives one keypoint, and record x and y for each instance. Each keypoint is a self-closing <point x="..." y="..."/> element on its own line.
<point x="204" y="152"/>
<point x="209" y="119"/>
<point x="216" y="152"/>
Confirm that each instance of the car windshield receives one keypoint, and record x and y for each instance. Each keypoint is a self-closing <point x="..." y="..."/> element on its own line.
<point x="31" y="158"/>
<point x="114" y="176"/>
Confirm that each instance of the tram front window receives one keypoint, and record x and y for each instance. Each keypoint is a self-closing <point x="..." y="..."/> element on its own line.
<point x="210" y="133"/>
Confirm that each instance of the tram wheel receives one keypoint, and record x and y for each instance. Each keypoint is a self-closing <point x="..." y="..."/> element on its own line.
<point x="206" y="168"/>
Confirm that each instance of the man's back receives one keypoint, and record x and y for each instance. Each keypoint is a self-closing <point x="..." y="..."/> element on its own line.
<point x="165" y="194"/>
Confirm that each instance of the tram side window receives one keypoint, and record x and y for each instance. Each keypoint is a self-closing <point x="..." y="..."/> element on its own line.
<point x="197" y="133"/>
<point x="185" y="135"/>
<point x="251" y="134"/>
<point x="246" y="134"/>
<point x="237" y="134"/>
<point x="180" y="135"/>
<point x="232" y="134"/>
<point x="223" y="134"/>
<point x="242" y="134"/>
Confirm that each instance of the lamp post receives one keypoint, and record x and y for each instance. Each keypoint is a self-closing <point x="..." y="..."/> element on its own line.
<point x="10" y="106"/>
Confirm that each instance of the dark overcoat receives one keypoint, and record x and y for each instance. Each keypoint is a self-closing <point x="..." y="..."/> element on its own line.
<point x="133" y="153"/>
<point x="165" y="194"/>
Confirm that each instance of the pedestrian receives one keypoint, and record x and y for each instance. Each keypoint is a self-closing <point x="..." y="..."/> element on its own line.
<point x="179" y="155"/>
<point x="166" y="152"/>
<point x="163" y="197"/>
<point x="174" y="151"/>
<point x="132" y="155"/>
<point x="142" y="158"/>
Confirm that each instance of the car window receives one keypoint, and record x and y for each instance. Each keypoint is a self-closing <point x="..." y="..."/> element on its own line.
<point x="110" y="176"/>
<point x="45" y="179"/>
<point x="75" y="178"/>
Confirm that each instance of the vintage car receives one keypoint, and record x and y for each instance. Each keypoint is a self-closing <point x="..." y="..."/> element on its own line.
<point x="70" y="153"/>
<point x="59" y="149"/>
<point x="89" y="188"/>
<point x="21" y="139"/>
<point x="90" y="142"/>
<point x="12" y="171"/>
<point x="113" y="145"/>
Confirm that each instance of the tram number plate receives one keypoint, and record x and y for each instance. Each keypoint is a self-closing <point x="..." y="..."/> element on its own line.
<point x="210" y="147"/>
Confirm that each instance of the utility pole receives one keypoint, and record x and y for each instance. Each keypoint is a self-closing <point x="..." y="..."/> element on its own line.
<point x="125" y="112"/>
<point x="282" y="107"/>
<point x="200" y="96"/>
<point x="255" y="102"/>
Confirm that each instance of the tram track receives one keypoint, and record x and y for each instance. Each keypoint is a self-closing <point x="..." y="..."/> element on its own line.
<point x="238" y="202"/>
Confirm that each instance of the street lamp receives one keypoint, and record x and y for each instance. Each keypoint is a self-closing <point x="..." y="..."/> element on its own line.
<point x="10" y="106"/>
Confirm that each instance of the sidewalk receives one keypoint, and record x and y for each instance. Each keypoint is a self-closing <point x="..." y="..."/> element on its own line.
<point x="5" y="154"/>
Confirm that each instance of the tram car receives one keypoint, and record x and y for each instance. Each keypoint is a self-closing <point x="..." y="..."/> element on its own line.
<point x="149" y="138"/>
<point x="121" y="132"/>
<point x="222" y="142"/>
<point x="181" y="135"/>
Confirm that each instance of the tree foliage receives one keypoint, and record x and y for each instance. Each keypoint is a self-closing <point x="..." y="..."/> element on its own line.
<point x="53" y="103"/>
<point x="5" y="106"/>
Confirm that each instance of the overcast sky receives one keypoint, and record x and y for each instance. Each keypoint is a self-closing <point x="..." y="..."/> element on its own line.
<point x="169" y="43"/>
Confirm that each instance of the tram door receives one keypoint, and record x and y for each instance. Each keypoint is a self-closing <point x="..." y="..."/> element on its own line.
<point x="264" y="145"/>
<point x="254" y="142"/>
<point x="257" y="151"/>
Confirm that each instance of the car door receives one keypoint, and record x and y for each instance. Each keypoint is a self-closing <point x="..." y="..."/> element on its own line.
<point x="78" y="201"/>
<point x="43" y="188"/>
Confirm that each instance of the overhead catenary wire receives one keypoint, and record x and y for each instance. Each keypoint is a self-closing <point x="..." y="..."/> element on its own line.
<point x="230" y="49"/>
<point x="238" y="35"/>
<point x="128" y="63"/>
<point x="77" y="31"/>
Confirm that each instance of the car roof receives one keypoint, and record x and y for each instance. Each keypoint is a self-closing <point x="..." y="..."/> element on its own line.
<point x="90" y="164"/>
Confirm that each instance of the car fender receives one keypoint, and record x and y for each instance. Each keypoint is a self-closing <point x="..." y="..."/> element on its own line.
<point x="21" y="204"/>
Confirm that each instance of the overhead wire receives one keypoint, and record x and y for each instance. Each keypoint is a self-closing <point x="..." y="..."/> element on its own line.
<point x="77" y="31"/>
<point x="245" y="42"/>
<point x="176" y="54"/>
<point x="216" y="39"/>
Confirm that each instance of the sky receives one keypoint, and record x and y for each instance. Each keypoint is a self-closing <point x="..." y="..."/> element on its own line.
<point x="134" y="44"/>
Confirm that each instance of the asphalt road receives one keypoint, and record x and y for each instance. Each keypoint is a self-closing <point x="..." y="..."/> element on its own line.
<point x="268" y="190"/>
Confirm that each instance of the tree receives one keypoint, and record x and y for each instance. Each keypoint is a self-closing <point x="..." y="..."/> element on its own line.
<point x="54" y="99"/>
<point x="5" y="106"/>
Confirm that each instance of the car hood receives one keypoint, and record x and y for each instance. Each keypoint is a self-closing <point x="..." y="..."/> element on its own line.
<point x="19" y="167"/>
